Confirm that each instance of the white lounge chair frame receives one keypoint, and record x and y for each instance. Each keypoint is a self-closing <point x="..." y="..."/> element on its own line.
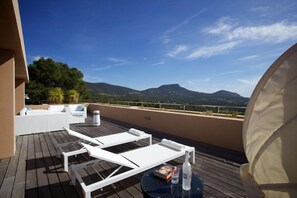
<point x="139" y="160"/>
<point x="101" y="142"/>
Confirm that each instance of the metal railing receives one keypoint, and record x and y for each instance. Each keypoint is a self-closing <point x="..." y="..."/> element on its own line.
<point x="233" y="110"/>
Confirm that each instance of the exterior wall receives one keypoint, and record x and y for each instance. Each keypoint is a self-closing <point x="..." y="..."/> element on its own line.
<point x="218" y="131"/>
<point x="13" y="72"/>
<point x="7" y="101"/>
<point x="19" y="95"/>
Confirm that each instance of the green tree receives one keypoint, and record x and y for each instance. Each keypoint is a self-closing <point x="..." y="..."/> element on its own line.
<point x="46" y="74"/>
<point x="37" y="92"/>
<point x="56" y="95"/>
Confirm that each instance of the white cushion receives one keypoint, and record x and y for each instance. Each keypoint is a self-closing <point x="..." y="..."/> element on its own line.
<point x="59" y="108"/>
<point x="76" y="107"/>
<point x="79" y="108"/>
<point x="173" y="145"/>
<point x="23" y="111"/>
<point x="136" y="132"/>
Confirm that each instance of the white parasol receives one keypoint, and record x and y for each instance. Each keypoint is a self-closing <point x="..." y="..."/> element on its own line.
<point x="270" y="131"/>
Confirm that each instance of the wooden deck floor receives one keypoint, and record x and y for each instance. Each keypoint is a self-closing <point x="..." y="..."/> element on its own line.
<point x="35" y="171"/>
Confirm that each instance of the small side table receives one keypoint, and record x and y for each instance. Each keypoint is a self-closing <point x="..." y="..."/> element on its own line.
<point x="153" y="186"/>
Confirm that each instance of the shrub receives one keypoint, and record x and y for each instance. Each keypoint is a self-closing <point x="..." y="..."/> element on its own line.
<point x="56" y="95"/>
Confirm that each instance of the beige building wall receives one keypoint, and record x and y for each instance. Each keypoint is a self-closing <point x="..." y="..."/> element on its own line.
<point x="219" y="131"/>
<point x="7" y="101"/>
<point x="13" y="73"/>
<point x="19" y="95"/>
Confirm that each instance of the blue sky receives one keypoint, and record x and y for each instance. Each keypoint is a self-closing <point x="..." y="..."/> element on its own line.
<point x="203" y="45"/>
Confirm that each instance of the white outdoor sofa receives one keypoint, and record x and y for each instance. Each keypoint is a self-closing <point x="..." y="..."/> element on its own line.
<point x="56" y="118"/>
<point x="38" y="121"/>
<point x="137" y="160"/>
<point x="77" y="112"/>
<point x="69" y="149"/>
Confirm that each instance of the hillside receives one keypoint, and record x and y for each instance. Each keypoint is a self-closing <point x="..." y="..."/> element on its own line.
<point x="172" y="93"/>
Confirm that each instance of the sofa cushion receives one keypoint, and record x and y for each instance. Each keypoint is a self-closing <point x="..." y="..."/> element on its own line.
<point x="79" y="108"/>
<point x="57" y="108"/>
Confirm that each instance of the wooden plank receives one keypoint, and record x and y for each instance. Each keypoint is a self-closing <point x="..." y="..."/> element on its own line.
<point x="220" y="184"/>
<point x="3" y="168"/>
<point x="210" y="191"/>
<point x="220" y="174"/>
<point x="92" y="177"/>
<point x="11" y="171"/>
<point x="208" y="166"/>
<point x="68" y="138"/>
<point x="8" y="182"/>
<point x="54" y="182"/>
<point x="64" y="179"/>
<point x="121" y="184"/>
<point x="131" y="184"/>
<point x="19" y="185"/>
<point x="109" y="191"/>
<point x="221" y="178"/>
<point x="31" y="178"/>
<point x="230" y="169"/>
<point x="42" y="179"/>
<point x="7" y="186"/>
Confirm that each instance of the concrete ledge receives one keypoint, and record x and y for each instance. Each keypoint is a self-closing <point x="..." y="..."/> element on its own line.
<point x="219" y="131"/>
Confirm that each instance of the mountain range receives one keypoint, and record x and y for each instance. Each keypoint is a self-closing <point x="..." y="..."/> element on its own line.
<point x="171" y="93"/>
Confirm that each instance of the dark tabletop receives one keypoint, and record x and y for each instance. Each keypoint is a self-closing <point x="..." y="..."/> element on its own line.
<point x="153" y="186"/>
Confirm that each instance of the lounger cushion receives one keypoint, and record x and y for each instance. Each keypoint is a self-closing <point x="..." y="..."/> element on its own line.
<point x="108" y="156"/>
<point x="83" y="137"/>
<point x="173" y="145"/>
<point x="136" y="132"/>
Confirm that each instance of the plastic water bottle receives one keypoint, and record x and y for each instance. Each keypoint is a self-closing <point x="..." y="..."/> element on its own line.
<point x="187" y="172"/>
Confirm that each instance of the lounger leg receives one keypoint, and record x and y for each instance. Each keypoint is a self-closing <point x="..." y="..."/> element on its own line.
<point x="65" y="163"/>
<point x="87" y="194"/>
<point x="58" y="152"/>
<point x="72" y="177"/>
<point x="150" y="139"/>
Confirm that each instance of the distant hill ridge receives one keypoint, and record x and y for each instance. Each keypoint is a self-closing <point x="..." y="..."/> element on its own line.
<point x="169" y="93"/>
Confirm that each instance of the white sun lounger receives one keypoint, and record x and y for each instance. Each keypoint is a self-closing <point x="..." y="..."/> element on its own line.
<point x="101" y="142"/>
<point x="138" y="160"/>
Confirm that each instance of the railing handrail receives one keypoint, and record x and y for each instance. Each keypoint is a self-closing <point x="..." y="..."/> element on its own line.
<point x="162" y="104"/>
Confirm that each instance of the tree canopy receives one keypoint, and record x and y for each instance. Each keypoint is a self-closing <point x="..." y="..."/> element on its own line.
<point x="46" y="74"/>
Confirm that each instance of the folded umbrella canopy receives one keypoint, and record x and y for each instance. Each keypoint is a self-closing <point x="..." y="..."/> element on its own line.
<point x="270" y="131"/>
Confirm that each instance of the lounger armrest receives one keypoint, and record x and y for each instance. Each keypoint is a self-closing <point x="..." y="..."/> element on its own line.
<point x="108" y="156"/>
<point x="82" y="137"/>
<point x="173" y="145"/>
<point x="136" y="132"/>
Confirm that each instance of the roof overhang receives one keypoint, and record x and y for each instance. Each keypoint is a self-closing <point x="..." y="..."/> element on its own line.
<point x="11" y="36"/>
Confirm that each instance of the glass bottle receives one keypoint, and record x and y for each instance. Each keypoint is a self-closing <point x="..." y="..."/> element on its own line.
<point x="187" y="172"/>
